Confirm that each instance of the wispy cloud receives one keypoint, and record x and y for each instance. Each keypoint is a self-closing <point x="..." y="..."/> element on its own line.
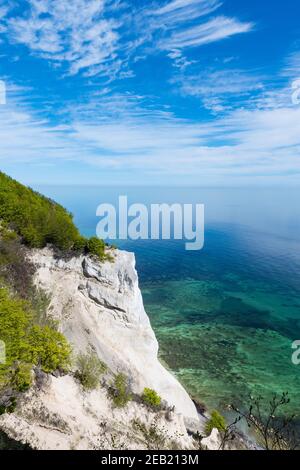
<point x="264" y="142"/>
<point x="219" y="90"/>
<point x="205" y="33"/>
<point x="4" y="9"/>
<point x="101" y="37"/>
<point x="292" y="65"/>
<point x="183" y="24"/>
<point x="76" y="33"/>
<point x="26" y="137"/>
<point x="177" y="11"/>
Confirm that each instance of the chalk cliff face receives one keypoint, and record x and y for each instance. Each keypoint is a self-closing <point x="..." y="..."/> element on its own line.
<point x="98" y="306"/>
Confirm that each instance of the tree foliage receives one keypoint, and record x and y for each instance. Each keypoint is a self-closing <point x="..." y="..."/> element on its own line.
<point x="40" y="221"/>
<point x="35" y="218"/>
<point x="27" y="344"/>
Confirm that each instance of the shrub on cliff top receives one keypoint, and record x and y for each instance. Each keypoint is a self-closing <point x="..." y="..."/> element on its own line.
<point x="40" y="221"/>
<point x="96" y="247"/>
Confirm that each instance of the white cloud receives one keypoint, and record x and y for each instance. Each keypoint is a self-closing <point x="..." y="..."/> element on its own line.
<point x="179" y="60"/>
<point x="24" y="138"/>
<point x="260" y="143"/>
<point x="177" y="11"/>
<point x="103" y="37"/>
<point x="4" y="8"/>
<point x="183" y="24"/>
<point x="292" y="66"/>
<point x="214" y="30"/>
<point x="76" y="33"/>
<point x="219" y="89"/>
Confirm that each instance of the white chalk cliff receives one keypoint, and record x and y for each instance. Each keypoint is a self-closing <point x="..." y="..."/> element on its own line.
<point x="98" y="306"/>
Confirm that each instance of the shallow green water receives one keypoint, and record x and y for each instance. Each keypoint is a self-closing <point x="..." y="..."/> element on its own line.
<point x="221" y="345"/>
<point x="226" y="318"/>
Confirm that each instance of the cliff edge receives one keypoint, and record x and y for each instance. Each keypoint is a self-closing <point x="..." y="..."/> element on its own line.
<point x="99" y="307"/>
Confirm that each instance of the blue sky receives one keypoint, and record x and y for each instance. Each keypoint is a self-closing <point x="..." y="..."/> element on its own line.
<point x="185" y="92"/>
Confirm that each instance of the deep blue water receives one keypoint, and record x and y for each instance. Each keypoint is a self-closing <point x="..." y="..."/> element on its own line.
<point x="225" y="316"/>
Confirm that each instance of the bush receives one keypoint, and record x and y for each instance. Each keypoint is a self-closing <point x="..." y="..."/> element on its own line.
<point x="48" y="348"/>
<point x="7" y="235"/>
<point x="22" y="377"/>
<point x="120" y="391"/>
<point x="11" y="407"/>
<point x="27" y="344"/>
<point x="216" y="421"/>
<point x="96" y="247"/>
<point x="80" y="244"/>
<point x="151" y="398"/>
<point x="90" y="369"/>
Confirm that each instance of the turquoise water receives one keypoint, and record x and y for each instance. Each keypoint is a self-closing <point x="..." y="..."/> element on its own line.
<point x="225" y="316"/>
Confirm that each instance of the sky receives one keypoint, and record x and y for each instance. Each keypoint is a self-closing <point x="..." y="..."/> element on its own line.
<point x="166" y="92"/>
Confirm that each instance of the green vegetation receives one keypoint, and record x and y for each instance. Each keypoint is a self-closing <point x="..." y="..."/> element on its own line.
<point x="216" y="421"/>
<point x="120" y="391"/>
<point x="16" y="274"/>
<point x="89" y="370"/>
<point x="40" y="221"/>
<point x="151" y="398"/>
<point x="9" y="407"/>
<point x="27" y="344"/>
<point x="35" y="218"/>
<point x="30" y="334"/>
<point x="96" y="247"/>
